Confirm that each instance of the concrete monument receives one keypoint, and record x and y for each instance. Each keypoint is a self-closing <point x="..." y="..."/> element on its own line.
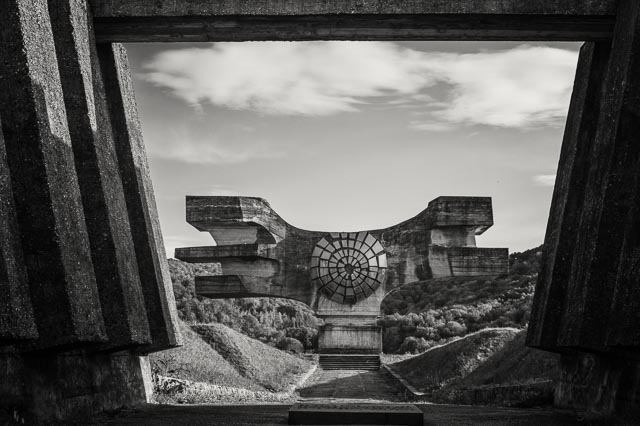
<point x="343" y="276"/>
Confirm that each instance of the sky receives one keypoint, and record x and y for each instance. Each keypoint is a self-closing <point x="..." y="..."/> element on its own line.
<point x="347" y="136"/>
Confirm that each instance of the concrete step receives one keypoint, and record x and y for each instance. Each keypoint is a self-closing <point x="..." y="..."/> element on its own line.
<point x="349" y="362"/>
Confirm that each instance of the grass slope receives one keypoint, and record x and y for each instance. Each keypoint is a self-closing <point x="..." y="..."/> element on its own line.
<point x="439" y="366"/>
<point x="198" y="361"/>
<point x="491" y="366"/>
<point x="273" y="369"/>
<point x="515" y="363"/>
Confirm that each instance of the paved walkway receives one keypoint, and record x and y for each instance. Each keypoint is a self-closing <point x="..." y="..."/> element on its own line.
<point x="277" y="414"/>
<point x="352" y="385"/>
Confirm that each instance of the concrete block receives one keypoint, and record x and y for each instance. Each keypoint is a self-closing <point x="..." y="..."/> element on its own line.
<point x="355" y="414"/>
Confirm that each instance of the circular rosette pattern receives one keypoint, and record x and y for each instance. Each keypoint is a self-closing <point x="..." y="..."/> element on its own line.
<point x="348" y="266"/>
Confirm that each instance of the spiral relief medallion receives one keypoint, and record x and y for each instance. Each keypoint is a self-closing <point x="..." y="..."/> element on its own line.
<point x="348" y="266"/>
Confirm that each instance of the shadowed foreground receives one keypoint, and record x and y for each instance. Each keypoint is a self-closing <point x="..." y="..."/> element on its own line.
<point x="276" y="414"/>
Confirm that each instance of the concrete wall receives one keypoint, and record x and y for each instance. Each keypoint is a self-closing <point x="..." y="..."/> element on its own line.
<point x="345" y="339"/>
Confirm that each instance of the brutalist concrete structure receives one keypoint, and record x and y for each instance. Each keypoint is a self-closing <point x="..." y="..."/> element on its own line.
<point x="343" y="276"/>
<point x="83" y="277"/>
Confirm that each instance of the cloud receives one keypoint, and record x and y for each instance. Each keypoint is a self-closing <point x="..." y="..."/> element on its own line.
<point x="314" y="78"/>
<point x="544" y="180"/>
<point x="524" y="87"/>
<point x="184" y="145"/>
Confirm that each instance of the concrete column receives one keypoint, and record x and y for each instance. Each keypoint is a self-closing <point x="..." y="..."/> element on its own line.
<point x="96" y="164"/>
<point x="47" y="199"/>
<point x="587" y="302"/>
<point x="141" y="204"/>
<point x="609" y="212"/>
<point x="568" y="197"/>
<point x="16" y="315"/>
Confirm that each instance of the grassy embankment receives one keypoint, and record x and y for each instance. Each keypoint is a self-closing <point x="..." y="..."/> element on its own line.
<point x="488" y="366"/>
<point x="225" y="366"/>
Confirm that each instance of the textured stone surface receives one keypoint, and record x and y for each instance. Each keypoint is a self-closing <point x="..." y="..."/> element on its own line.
<point x="599" y="383"/>
<point x="141" y="205"/>
<point x="96" y="163"/>
<point x="16" y="314"/>
<point x="585" y="296"/>
<point x="203" y="20"/>
<point x="45" y="186"/>
<point x="568" y="197"/>
<point x="587" y="302"/>
<point x="347" y="414"/>
<point x="73" y="385"/>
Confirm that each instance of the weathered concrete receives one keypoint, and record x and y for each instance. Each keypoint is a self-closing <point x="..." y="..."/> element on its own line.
<point x="105" y="210"/>
<point x="45" y="186"/>
<point x="355" y="414"/>
<point x="587" y="303"/>
<point x="203" y="20"/>
<point x="594" y="212"/>
<point x="274" y="258"/>
<point x="141" y="204"/>
<point x="70" y="385"/>
<point x="16" y="314"/>
<point x="343" y="276"/>
<point x="71" y="293"/>
<point x="601" y="383"/>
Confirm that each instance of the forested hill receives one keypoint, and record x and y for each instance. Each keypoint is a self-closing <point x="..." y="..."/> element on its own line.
<point x="421" y="315"/>
<point x="283" y="323"/>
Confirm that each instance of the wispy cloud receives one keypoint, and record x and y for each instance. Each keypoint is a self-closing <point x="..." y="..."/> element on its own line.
<point x="315" y="78"/>
<point x="544" y="180"/>
<point x="523" y="87"/>
<point x="182" y="145"/>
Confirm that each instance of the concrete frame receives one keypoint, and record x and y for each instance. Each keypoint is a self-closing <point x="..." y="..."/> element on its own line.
<point x="73" y="170"/>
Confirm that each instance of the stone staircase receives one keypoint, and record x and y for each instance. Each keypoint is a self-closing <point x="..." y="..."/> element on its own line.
<point x="349" y="362"/>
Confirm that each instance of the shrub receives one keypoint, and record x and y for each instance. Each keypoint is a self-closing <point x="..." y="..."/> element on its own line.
<point x="290" y="344"/>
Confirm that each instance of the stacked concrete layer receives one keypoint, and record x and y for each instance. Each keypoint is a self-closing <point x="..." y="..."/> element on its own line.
<point x="587" y="301"/>
<point x="78" y="306"/>
<point x="203" y="20"/>
<point x="282" y="268"/>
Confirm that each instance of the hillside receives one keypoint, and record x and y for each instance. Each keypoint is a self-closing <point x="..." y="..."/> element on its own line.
<point x="274" y="321"/>
<point x="198" y="361"/>
<point x="441" y="365"/>
<point x="424" y="314"/>
<point x="271" y="368"/>
<point x="490" y="366"/>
